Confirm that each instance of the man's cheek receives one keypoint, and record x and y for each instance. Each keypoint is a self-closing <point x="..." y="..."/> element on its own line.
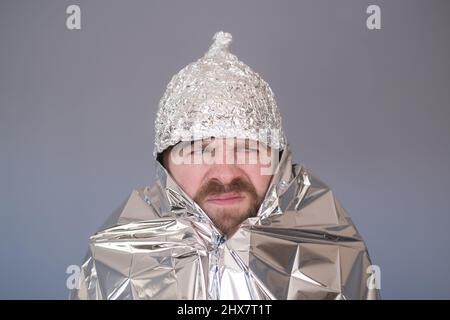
<point x="261" y="185"/>
<point x="187" y="185"/>
<point x="194" y="187"/>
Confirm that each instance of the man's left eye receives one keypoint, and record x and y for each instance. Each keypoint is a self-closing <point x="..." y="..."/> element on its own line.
<point x="250" y="150"/>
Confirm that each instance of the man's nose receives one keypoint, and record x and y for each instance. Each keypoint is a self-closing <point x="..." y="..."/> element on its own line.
<point x="225" y="173"/>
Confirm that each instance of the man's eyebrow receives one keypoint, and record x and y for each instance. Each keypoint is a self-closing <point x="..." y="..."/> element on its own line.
<point x="206" y="142"/>
<point x="184" y="144"/>
<point x="247" y="143"/>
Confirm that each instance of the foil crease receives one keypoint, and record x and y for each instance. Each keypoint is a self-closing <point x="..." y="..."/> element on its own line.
<point x="161" y="245"/>
<point x="218" y="96"/>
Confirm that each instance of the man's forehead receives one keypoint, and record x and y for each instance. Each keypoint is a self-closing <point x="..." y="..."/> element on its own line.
<point x="218" y="141"/>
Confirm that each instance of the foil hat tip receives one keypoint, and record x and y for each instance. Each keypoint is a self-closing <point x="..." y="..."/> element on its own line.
<point x="218" y="96"/>
<point x="222" y="41"/>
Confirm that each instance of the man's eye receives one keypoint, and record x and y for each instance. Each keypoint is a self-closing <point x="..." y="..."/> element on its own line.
<point x="249" y="150"/>
<point x="198" y="150"/>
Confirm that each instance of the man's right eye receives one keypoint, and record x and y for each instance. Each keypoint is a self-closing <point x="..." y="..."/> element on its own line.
<point x="197" y="150"/>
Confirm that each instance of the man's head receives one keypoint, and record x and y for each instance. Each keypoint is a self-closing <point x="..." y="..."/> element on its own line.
<point x="224" y="177"/>
<point x="219" y="96"/>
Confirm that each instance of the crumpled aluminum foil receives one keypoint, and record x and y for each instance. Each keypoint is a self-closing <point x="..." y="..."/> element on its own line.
<point x="218" y="96"/>
<point x="161" y="245"/>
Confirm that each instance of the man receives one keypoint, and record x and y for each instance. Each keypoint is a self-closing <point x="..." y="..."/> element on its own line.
<point x="230" y="216"/>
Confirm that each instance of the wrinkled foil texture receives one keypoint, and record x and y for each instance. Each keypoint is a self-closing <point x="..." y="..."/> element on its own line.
<point x="161" y="245"/>
<point x="218" y="96"/>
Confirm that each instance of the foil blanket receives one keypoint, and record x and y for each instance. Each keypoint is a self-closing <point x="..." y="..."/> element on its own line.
<point x="161" y="245"/>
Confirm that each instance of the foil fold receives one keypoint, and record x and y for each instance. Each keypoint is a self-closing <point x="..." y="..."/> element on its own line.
<point x="161" y="245"/>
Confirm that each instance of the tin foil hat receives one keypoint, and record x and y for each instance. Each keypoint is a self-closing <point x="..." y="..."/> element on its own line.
<point x="218" y="96"/>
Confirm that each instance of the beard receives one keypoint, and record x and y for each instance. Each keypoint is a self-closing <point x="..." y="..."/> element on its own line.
<point x="227" y="220"/>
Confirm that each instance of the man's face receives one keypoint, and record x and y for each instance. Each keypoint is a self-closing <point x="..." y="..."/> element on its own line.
<point x="228" y="189"/>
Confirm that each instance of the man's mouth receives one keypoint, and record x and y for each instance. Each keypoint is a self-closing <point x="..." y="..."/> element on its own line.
<point x="225" y="199"/>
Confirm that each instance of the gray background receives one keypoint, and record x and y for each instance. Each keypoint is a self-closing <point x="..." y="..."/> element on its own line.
<point x="367" y="111"/>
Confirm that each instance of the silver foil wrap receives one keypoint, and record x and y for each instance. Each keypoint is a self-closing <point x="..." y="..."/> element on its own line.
<point x="161" y="245"/>
<point x="218" y="96"/>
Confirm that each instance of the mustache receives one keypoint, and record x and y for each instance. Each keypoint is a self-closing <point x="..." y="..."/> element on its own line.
<point x="215" y="187"/>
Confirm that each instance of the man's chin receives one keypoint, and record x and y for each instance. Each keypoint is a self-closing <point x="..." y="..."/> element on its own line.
<point x="227" y="219"/>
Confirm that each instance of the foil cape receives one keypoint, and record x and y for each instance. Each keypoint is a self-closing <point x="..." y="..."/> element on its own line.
<point x="218" y="96"/>
<point x="161" y="245"/>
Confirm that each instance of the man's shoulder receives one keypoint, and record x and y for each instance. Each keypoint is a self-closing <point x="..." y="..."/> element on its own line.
<point x="141" y="204"/>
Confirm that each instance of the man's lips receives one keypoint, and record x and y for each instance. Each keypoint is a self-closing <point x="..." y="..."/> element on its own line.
<point x="225" y="199"/>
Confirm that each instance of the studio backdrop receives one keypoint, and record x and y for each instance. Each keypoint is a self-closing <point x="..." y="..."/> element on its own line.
<point x="365" y="102"/>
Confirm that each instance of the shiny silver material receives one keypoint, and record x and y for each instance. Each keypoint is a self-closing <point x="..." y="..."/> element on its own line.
<point x="218" y="96"/>
<point x="161" y="245"/>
